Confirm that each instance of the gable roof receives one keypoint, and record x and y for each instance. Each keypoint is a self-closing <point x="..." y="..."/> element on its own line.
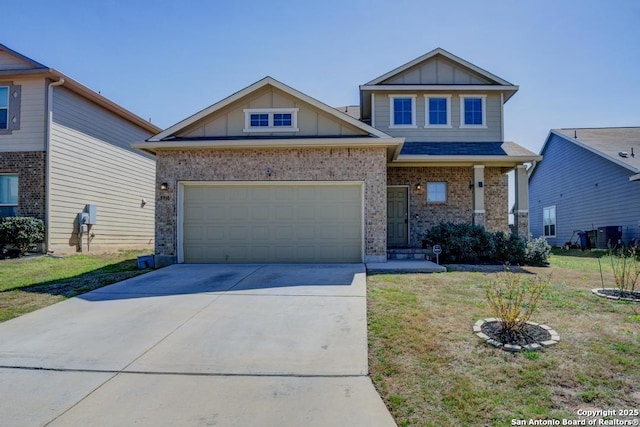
<point x="28" y="61"/>
<point x="608" y="143"/>
<point x="36" y="69"/>
<point x="439" y="51"/>
<point x="266" y="81"/>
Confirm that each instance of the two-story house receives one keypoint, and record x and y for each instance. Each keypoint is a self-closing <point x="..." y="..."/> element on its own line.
<point x="63" y="147"/>
<point x="270" y="174"/>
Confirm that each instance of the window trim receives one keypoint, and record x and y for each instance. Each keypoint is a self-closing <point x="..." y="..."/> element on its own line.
<point x="555" y="221"/>
<point x="483" y="99"/>
<point x="7" y="108"/>
<point x="427" y="111"/>
<point x="439" y="202"/>
<point x="413" y="124"/>
<point x="271" y="112"/>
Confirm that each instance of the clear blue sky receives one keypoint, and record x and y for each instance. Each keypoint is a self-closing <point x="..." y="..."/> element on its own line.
<point x="577" y="62"/>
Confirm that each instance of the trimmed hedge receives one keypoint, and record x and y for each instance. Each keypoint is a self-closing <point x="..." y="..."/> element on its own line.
<point x="20" y="233"/>
<point x="469" y="244"/>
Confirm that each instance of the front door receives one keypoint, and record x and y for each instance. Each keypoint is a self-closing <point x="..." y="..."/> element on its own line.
<point x="397" y="216"/>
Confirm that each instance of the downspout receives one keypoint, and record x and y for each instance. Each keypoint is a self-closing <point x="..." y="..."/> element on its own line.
<point x="47" y="177"/>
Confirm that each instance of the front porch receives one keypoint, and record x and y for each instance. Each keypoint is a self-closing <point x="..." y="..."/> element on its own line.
<point x="476" y="194"/>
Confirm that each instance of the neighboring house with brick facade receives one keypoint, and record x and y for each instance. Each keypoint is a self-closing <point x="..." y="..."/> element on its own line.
<point x="62" y="147"/>
<point x="589" y="179"/>
<point x="270" y="174"/>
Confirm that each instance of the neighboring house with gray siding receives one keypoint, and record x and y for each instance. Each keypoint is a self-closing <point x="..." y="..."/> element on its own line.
<point x="64" y="146"/>
<point x="589" y="179"/>
<point x="270" y="174"/>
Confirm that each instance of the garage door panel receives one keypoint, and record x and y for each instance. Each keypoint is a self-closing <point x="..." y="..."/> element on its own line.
<point x="272" y="223"/>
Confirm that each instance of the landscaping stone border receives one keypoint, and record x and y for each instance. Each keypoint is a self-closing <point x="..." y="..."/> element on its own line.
<point x="597" y="292"/>
<point x="555" y="338"/>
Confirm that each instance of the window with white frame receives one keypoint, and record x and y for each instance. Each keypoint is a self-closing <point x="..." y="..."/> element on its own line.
<point x="402" y="111"/>
<point x="4" y="107"/>
<point x="549" y="221"/>
<point x="8" y="195"/>
<point x="473" y="111"/>
<point x="271" y="120"/>
<point x="436" y="192"/>
<point x="437" y="111"/>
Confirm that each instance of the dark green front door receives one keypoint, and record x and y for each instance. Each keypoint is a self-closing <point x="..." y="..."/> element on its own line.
<point x="397" y="218"/>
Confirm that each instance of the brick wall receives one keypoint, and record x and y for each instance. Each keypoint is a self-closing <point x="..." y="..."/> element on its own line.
<point x="459" y="205"/>
<point x="496" y="203"/>
<point x="288" y="164"/>
<point x="30" y="167"/>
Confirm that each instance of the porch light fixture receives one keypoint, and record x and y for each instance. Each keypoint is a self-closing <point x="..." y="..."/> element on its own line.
<point x="164" y="186"/>
<point x="418" y="186"/>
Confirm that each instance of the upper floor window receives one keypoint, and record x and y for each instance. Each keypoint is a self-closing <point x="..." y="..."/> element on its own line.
<point x="549" y="221"/>
<point x="436" y="192"/>
<point x="438" y="111"/>
<point x="8" y="195"/>
<point x="4" y="107"/>
<point x="473" y="111"/>
<point x="403" y="111"/>
<point x="271" y="120"/>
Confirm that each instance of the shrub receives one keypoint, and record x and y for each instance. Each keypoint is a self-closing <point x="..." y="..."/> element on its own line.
<point x="626" y="269"/>
<point x="509" y="248"/>
<point x="21" y="232"/>
<point x="461" y="243"/>
<point x="537" y="252"/>
<point x="513" y="298"/>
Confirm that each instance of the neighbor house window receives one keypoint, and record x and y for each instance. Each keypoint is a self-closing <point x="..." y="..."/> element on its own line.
<point x="271" y="120"/>
<point x="8" y="195"/>
<point x="4" y="107"/>
<point x="436" y="192"/>
<point x="473" y="111"/>
<point x="402" y="111"/>
<point x="438" y="111"/>
<point x="549" y="221"/>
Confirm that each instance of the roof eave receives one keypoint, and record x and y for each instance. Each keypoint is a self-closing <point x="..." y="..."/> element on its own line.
<point x="85" y="92"/>
<point x="459" y="160"/>
<point x="152" y="147"/>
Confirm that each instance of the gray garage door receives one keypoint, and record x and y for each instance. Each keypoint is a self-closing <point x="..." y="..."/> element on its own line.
<point x="304" y="223"/>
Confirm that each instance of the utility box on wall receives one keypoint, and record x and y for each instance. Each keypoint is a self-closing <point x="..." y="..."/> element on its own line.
<point x="92" y="211"/>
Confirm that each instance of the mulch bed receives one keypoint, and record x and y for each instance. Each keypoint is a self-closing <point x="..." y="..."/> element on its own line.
<point x="617" y="294"/>
<point x="531" y="334"/>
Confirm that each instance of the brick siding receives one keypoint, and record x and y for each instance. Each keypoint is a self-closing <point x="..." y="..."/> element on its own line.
<point x="30" y="167"/>
<point x="459" y="205"/>
<point x="288" y="164"/>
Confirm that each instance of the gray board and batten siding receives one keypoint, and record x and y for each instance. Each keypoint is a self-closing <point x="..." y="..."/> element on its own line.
<point x="587" y="190"/>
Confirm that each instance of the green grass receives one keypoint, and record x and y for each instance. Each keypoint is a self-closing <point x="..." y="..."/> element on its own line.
<point x="432" y="371"/>
<point x="30" y="283"/>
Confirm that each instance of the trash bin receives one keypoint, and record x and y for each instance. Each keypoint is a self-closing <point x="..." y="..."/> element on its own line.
<point x="145" y="261"/>
<point x="583" y="239"/>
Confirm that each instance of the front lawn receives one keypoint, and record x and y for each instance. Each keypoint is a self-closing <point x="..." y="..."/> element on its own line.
<point x="30" y="283"/>
<point x="431" y="370"/>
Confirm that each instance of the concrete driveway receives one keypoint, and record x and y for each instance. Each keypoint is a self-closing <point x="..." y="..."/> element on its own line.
<point x="191" y="345"/>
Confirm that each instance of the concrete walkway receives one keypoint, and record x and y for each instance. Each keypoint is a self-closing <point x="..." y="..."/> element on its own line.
<point x="191" y="345"/>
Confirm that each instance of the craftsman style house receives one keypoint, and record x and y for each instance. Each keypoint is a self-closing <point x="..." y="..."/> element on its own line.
<point x="270" y="174"/>
<point x="65" y="150"/>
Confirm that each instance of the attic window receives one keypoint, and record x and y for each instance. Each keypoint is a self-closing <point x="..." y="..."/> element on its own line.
<point x="271" y="120"/>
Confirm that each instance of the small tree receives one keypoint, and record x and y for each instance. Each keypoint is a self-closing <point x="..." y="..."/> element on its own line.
<point x="626" y="270"/>
<point x="21" y="232"/>
<point x="513" y="299"/>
